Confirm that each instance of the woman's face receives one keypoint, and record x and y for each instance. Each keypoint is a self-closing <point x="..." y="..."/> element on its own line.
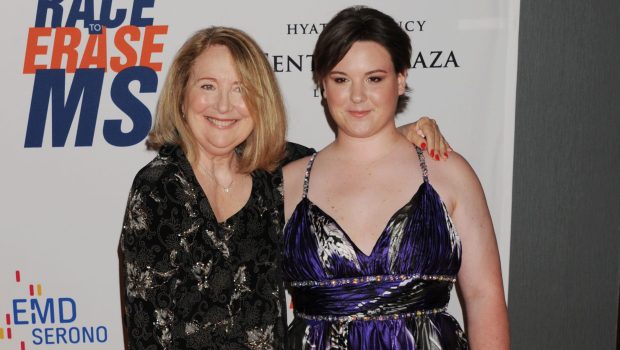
<point x="362" y="90"/>
<point x="214" y="106"/>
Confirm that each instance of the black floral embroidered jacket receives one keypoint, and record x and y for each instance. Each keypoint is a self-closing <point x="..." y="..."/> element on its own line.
<point x="194" y="283"/>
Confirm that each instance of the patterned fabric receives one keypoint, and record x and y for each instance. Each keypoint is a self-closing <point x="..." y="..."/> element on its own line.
<point x="394" y="298"/>
<point x="194" y="283"/>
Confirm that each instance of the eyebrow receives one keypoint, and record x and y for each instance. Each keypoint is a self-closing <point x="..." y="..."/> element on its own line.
<point x="367" y="73"/>
<point x="204" y="78"/>
<point x="214" y="80"/>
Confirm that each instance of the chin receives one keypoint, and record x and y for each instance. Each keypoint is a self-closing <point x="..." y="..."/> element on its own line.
<point x="360" y="134"/>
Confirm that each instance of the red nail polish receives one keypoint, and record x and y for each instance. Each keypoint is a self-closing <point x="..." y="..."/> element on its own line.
<point x="432" y="153"/>
<point x="436" y="156"/>
<point x="445" y="154"/>
<point x="423" y="146"/>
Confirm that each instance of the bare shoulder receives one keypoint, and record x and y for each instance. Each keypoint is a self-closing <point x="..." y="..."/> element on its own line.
<point x="453" y="178"/>
<point x="293" y="174"/>
<point x="294" y="171"/>
<point x="456" y="167"/>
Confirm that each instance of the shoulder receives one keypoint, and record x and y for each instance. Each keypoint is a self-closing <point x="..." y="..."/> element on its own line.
<point x="168" y="162"/>
<point x="455" y="167"/>
<point x="158" y="190"/>
<point x="295" y="151"/>
<point x="296" y="165"/>
<point x="294" y="174"/>
<point x="168" y="175"/>
<point x="454" y="179"/>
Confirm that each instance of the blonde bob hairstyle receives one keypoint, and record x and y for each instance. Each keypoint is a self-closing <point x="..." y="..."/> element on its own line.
<point x="264" y="147"/>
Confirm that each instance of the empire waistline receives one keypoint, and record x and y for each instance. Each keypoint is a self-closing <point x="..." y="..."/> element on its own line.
<point x="362" y="317"/>
<point x="369" y="279"/>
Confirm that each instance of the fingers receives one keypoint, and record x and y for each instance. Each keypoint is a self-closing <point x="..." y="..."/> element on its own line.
<point x="414" y="135"/>
<point x="428" y="128"/>
<point x="425" y="134"/>
<point x="437" y="146"/>
<point x="417" y="138"/>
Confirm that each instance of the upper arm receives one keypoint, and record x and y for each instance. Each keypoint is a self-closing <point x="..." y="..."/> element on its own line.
<point x="480" y="268"/>
<point x="293" y="175"/>
<point x="479" y="278"/>
<point x="145" y="251"/>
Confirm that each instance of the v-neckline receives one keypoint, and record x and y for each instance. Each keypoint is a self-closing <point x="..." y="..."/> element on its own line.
<point x="226" y="221"/>
<point x="381" y="235"/>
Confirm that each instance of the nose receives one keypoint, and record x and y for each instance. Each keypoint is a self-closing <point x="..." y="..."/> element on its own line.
<point x="223" y="103"/>
<point x="358" y="93"/>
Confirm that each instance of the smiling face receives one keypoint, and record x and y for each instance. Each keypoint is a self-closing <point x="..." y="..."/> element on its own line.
<point x="362" y="90"/>
<point x="214" y="105"/>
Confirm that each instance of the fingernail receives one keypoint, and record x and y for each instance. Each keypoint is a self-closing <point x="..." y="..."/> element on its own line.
<point x="423" y="145"/>
<point x="432" y="153"/>
<point x="445" y="154"/>
<point x="436" y="156"/>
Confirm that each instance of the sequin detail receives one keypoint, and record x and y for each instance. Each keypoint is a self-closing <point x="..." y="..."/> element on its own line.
<point x="366" y="279"/>
<point x="350" y="318"/>
<point x="422" y="163"/>
<point x="307" y="175"/>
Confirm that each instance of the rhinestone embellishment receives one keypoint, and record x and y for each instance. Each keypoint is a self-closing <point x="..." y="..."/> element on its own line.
<point x="378" y="278"/>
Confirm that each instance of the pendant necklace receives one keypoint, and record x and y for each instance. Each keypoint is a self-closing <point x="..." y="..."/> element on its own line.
<point x="226" y="189"/>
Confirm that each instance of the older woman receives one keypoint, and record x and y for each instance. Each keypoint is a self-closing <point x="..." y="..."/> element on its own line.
<point x="371" y="248"/>
<point x="202" y="230"/>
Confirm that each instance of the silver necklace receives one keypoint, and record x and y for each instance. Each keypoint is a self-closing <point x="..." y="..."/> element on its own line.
<point x="226" y="189"/>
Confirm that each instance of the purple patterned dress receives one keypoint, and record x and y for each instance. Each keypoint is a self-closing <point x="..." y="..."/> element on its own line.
<point x="394" y="298"/>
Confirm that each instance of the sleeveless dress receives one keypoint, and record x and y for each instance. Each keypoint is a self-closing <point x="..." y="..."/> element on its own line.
<point x="394" y="298"/>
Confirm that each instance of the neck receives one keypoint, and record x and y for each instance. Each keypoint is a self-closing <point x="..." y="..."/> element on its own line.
<point x="219" y="164"/>
<point x="367" y="149"/>
<point x="221" y="170"/>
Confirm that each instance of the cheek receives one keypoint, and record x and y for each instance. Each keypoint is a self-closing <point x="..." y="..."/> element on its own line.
<point x="335" y="97"/>
<point x="196" y="101"/>
<point x="242" y="107"/>
<point x="385" y="97"/>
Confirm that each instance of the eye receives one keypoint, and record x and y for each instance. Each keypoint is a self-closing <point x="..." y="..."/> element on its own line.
<point x="207" y="86"/>
<point x="339" y="80"/>
<point x="375" y="79"/>
<point x="237" y="88"/>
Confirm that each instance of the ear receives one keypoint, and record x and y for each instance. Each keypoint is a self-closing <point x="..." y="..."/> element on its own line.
<point x="402" y="82"/>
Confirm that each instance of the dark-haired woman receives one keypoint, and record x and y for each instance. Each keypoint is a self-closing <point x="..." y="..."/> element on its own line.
<point x="374" y="233"/>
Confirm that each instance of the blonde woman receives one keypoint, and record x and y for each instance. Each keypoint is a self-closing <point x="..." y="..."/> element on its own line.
<point x="202" y="232"/>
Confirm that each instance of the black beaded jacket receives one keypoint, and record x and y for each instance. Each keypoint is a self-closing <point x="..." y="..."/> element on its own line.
<point x="191" y="282"/>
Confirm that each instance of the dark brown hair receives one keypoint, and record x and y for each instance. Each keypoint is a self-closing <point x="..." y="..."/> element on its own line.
<point x="360" y="23"/>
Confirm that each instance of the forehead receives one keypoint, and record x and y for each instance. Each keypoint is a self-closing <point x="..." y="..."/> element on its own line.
<point x="215" y="61"/>
<point x="364" y="55"/>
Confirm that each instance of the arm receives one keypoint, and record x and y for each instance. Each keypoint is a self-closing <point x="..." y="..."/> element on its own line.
<point x="147" y="315"/>
<point x="425" y="134"/>
<point x="480" y="277"/>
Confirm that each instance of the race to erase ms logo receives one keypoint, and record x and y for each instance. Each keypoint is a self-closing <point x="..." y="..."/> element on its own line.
<point x="35" y="320"/>
<point x="72" y="48"/>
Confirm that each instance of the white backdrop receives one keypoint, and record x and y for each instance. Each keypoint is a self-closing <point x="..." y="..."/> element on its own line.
<point x="62" y="206"/>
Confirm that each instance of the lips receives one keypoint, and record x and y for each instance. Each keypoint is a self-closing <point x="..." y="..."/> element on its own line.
<point x="359" y="114"/>
<point x="221" y="123"/>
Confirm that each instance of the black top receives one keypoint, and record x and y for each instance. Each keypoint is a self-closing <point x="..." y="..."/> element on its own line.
<point x="194" y="283"/>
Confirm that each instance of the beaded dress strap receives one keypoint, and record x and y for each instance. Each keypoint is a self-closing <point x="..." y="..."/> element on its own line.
<point x="422" y="163"/>
<point x="307" y="174"/>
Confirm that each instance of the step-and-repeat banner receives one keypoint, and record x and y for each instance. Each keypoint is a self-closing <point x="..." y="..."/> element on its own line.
<point x="80" y="80"/>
